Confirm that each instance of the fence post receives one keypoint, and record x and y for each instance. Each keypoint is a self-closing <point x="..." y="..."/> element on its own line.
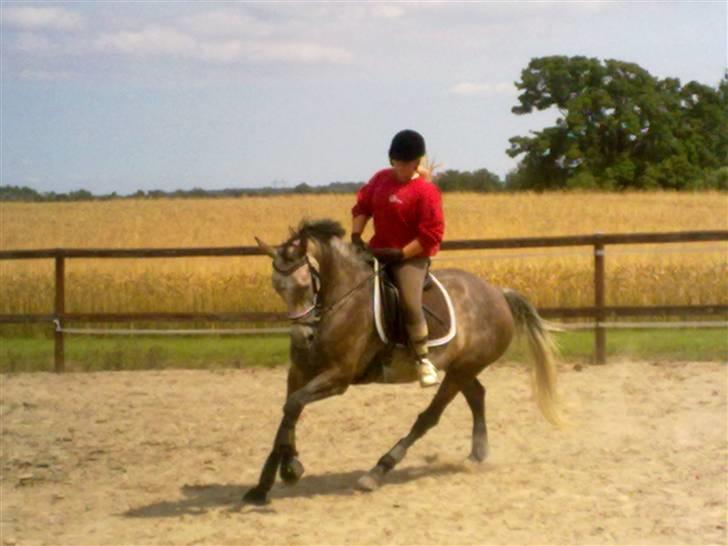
<point x="600" y="333"/>
<point x="60" y="309"/>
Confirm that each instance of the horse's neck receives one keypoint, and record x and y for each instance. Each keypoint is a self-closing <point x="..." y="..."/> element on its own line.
<point x="347" y="322"/>
<point x="341" y="272"/>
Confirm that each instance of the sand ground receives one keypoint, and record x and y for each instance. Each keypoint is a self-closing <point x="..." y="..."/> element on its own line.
<point x="163" y="457"/>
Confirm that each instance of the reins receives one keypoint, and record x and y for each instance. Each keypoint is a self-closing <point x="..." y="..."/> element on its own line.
<point x="316" y="307"/>
<point x="328" y="308"/>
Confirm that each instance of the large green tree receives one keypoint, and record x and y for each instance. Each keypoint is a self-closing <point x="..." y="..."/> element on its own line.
<point x="619" y="127"/>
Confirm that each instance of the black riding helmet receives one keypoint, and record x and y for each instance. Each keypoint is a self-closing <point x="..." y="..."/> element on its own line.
<point x="407" y="145"/>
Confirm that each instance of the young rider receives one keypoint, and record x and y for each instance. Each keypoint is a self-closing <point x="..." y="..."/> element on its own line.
<point x="408" y="227"/>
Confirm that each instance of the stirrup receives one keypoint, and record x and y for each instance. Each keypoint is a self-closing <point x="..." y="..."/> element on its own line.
<point x="427" y="373"/>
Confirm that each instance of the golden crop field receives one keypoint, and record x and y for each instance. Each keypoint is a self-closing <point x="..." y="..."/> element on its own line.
<point x="636" y="275"/>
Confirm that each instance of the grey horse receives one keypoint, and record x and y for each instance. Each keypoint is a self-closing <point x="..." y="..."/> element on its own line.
<point x="326" y="285"/>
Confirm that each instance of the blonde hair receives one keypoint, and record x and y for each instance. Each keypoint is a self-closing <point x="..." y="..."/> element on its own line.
<point x="427" y="169"/>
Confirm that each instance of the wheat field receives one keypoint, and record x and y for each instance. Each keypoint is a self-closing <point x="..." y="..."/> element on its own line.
<point x="636" y="275"/>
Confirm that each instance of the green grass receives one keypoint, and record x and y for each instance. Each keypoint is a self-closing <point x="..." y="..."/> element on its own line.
<point x="641" y="344"/>
<point x="144" y="353"/>
<point x="35" y="353"/>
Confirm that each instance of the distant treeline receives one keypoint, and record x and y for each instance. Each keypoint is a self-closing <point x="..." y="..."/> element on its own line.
<point x="23" y="193"/>
<point x="478" y="181"/>
<point x="481" y="181"/>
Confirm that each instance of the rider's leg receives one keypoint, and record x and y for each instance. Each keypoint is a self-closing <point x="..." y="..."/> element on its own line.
<point x="410" y="277"/>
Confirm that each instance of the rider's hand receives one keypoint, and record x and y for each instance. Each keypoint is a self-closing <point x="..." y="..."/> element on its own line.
<point x="388" y="255"/>
<point x="357" y="241"/>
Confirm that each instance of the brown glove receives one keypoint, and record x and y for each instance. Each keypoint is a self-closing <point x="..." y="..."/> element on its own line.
<point x="388" y="255"/>
<point x="357" y="241"/>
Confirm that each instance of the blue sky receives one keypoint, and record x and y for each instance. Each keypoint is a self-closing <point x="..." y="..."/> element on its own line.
<point x="119" y="96"/>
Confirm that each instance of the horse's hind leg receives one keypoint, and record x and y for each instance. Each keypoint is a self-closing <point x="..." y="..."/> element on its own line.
<point x="425" y="421"/>
<point x="474" y="393"/>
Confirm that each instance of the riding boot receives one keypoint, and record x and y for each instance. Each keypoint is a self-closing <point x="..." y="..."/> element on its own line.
<point x="426" y="370"/>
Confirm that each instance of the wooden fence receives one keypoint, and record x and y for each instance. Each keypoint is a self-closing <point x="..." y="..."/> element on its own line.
<point x="599" y="312"/>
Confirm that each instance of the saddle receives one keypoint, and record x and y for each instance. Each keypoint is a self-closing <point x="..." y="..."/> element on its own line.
<point x="389" y="319"/>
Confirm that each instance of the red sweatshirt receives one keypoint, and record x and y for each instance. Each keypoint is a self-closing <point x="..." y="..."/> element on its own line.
<point x="402" y="212"/>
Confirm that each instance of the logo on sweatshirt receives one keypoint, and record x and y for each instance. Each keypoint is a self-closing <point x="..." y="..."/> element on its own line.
<point x="394" y="199"/>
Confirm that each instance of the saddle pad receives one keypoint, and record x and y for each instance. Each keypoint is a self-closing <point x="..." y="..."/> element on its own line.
<point x="439" y="312"/>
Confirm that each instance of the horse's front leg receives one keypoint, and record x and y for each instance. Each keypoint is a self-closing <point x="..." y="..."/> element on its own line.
<point x="324" y="385"/>
<point x="291" y="468"/>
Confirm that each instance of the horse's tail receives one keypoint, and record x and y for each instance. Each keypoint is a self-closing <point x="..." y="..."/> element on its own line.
<point x="543" y="348"/>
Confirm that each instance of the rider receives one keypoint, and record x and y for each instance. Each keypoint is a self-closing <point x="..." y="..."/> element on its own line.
<point x="408" y="228"/>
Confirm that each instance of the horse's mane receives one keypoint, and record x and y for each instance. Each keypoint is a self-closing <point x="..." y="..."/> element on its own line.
<point x="323" y="230"/>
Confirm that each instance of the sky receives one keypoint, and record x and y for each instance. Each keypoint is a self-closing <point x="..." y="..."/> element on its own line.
<point x="120" y="96"/>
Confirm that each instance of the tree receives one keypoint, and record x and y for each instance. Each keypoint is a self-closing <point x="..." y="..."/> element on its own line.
<point x="80" y="195"/>
<point x="19" y="193"/>
<point x="481" y="180"/>
<point x="619" y="127"/>
<point x="303" y="188"/>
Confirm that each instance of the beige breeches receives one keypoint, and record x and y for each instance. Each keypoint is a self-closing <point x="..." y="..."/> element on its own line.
<point x="409" y="276"/>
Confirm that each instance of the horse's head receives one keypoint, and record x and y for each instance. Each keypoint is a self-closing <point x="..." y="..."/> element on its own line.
<point x="313" y="258"/>
<point x="296" y="280"/>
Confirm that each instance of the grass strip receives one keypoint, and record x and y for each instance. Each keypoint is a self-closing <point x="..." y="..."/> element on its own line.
<point x="32" y="354"/>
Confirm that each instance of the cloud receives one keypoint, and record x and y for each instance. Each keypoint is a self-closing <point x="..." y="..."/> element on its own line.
<point x="34" y="18"/>
<point x="222" y="52"/>
<point x="387" y="11"/>
<point x="224" y="23"/>
<point x="29" y="42"/>
<point x="170" y="42"/>
<point x="43" y="75"/>
<point x="477" y="89"/>
<point x="299" y="52"/>
<point x="149" y="41"/>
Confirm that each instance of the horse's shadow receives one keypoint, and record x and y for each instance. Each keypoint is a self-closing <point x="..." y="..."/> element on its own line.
<point x="199" y="499"/>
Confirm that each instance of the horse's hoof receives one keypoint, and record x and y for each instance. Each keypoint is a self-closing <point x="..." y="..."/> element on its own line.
<point x="291" y="471"/>
<point x="368" y="483"/>
<point x="256" y="496"/>
<point x="478" y="455"/>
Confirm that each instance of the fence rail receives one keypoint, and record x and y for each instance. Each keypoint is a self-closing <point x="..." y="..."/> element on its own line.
<point x="599" y="311"/>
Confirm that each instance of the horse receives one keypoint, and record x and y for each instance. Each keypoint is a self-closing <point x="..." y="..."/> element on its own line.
<point x="326" y="286"/>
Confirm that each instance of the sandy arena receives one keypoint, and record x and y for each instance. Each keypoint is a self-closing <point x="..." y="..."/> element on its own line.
<point x="163" y="457"/>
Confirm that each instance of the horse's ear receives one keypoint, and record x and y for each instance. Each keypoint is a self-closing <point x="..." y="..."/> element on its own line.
<point x="265" y="247"/>
<point x="302" y="243"/>
<point x="292" y="231"/>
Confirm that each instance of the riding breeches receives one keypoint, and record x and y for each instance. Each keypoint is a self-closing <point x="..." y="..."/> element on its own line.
<point x="409" y="276"/>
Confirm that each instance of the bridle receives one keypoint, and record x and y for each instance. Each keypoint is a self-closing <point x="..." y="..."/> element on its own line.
<point x="315" y="311"/>
<point x="311" y="311"/>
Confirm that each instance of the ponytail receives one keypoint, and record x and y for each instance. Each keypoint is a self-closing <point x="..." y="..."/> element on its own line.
<point x="427" y="169"/>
